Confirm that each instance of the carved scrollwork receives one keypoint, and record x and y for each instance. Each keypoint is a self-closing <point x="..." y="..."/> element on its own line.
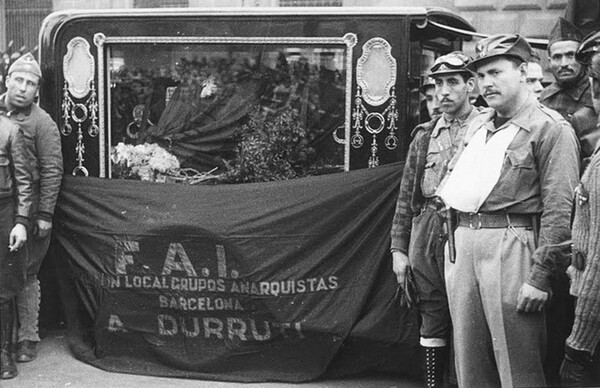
<point x="79" y="67"/>
<point x="79" y="105"/>
<point x="375" y="100"/>
<point x="376" y="71"/>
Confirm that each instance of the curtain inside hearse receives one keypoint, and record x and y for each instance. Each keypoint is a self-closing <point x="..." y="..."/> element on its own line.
<point x="194" y="99"/>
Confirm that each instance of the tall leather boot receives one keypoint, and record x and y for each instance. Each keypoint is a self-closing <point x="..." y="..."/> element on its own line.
<point x="8" y="366"/>
<point x="435" y="365"/>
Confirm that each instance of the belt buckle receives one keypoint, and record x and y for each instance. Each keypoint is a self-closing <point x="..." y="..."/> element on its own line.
<point x="472" y="225"/>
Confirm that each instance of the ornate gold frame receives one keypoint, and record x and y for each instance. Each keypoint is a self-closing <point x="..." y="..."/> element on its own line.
<point x="100" y="40"/>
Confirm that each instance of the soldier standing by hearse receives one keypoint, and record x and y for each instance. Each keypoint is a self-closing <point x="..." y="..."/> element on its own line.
<point x="15" y="181"/>
<point x="515" y="176"/>
<point x="417" y="227"/>
<point x="42" y="148"/>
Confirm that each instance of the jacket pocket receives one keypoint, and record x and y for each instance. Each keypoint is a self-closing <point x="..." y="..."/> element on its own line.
<point x="520" y="159"/>
<point x="519" y="179"/>
<point x="5" y="174"/>
<point x="431" y="179"/>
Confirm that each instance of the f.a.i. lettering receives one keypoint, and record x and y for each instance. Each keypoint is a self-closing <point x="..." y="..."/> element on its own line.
<point x="176" y="259"/>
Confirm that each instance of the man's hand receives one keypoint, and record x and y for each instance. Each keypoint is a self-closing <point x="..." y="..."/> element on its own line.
<point x="400" y="266"/>
<point x="18" y="236"/>
<point x="574" y="365"/>
<point x="42" y="228"/>
<point x="531" y="299"/>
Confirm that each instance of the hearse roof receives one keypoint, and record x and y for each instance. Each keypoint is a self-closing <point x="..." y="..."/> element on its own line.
<point x="420" y="15"/>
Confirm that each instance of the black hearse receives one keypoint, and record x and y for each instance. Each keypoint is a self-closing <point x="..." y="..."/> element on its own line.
<point x="187" y="78"/>
<point x="284" y="281"/>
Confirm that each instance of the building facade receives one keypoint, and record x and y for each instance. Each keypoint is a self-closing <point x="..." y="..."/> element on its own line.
<point x="20" y="21"/>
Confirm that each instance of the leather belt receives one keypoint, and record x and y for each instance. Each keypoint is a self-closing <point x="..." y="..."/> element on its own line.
<point x="494" y="220"/>
<point x="430" y="203"/>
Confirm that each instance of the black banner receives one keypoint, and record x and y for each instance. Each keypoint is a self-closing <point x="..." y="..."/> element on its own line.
<point x="280" y="281"/>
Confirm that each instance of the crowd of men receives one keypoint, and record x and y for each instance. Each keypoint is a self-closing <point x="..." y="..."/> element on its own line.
<point x="483" y="222"/>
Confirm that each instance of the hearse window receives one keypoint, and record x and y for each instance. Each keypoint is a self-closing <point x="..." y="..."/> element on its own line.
<point x="207" y="103"/>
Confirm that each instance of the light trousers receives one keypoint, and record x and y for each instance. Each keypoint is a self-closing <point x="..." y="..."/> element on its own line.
<point x="494" y="344"/>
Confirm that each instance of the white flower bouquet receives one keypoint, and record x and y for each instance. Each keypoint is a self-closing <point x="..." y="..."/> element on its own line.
<point x="147" y="162"/>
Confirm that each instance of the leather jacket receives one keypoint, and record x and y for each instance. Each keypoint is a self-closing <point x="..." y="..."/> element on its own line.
<point x="15" y="179"/>
<point x="42" y="149"/>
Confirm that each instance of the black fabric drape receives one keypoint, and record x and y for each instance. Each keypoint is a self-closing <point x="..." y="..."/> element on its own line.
<point x="199" y="130"/>
<point x="278" y="281"/>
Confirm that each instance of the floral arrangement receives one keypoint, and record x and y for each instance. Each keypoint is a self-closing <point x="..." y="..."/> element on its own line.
<point x="270" y="147"/>
<point x="147" y="162"/>
<point x="209" y="87"/>
<point x="151" y="162"/>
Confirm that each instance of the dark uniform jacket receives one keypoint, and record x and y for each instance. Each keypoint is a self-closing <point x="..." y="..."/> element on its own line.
<point x="42" y="149"/>
<point x="584" y="123"/>
<point x="567" y="101"/>
<point x="426" y="165"/>
<point x="410" y="197"/>
<point x="15" y="178"/>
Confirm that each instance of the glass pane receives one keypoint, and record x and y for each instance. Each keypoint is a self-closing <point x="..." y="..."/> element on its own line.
<point x="229" y="106"/>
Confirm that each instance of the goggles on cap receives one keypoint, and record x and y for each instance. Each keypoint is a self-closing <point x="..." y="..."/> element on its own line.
<point x="454" y="61"/>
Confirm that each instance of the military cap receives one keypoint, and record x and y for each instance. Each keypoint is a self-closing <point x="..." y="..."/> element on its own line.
<point x="501" y="45"/>
<point x="588" y="48"/>
<point x="26" y="64"/>
<point x="426" y="83"/>
<point x="564" y="30"/>
<point x="455" y="62"/>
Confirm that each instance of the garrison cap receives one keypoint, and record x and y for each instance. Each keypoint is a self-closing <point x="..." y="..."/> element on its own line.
<point x="501" y="45"/>
<point x="26" y="64"/>
<point x="564" y="30"/>
<point x="588" y="48"/>
<point x="455" y="62"/>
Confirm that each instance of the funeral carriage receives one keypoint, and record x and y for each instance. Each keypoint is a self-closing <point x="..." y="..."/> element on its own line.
<point x="285" y="279"/>
<point x="187" y="79"/>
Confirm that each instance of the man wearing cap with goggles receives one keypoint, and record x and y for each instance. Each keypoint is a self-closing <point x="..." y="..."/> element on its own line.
<point x="511" y="188"/>
<point x="584" y="271"/>
<point x="417" y="228"/>
<point x="43" y="150"/>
